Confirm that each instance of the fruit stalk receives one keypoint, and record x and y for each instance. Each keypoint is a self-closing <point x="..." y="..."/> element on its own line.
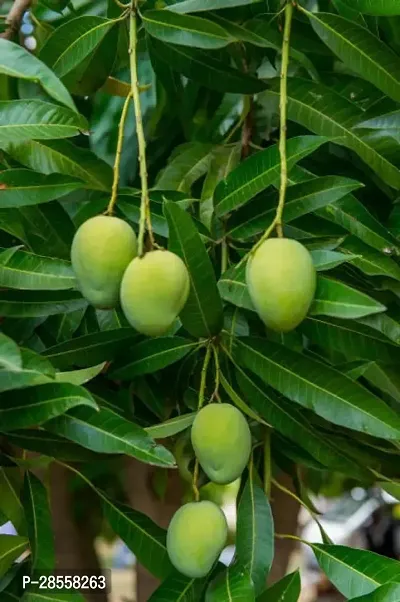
<point x="202" y="390"/>
<point x="117" y="163"/>
<point x="145" y="199"/>
<point x="283" y="115"/>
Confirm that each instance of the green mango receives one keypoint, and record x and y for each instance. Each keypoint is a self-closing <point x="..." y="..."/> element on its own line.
<point x="101" y="250"/>
<point x="154" y="290"/>
<point x="221" y="440"/>
<point x="196" y="536"/>
<point x="281" y="279"/>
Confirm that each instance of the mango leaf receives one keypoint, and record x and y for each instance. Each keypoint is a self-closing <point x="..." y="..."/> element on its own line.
<point x="285" y="590"/>
<point x="326" y="113"/>
<point x="11" y="547"/>
<point x="386" y="593"/>
<point x="51" y="445"/>
<point x="91" y="348"/>
<point x="333" y="298"/>
<point x="202" y="315"/>
<point x="255" y="534"/>
<point x="185" y="168"/>
<point x="258" y="172"/>
<point x="10" y="502"/>
<point x="355" y="572"/>
<point x="370" y="261"/>
<point x="378" y="8"/>
<point x="201" y="66"/>
<point x="10" y="355"/>
<point x="232" y="287"/>
<point x="38" y="519"/>
<point x="106" y="432"/>
<point x="177" y="588"/>
<point x="79" y="377"/>
<point x="21" y="187"/>
<point x="388" y="122"/>
<point x="354" y="340"/>
<point x="234" y="584"/>
<point x="73" y="41"/>
<point x="239" y="402"/>
<point x="51" y="596"/>
<point x="327" y="260"/>
<point x="61" y="156"/>
<point x="301" y="199"/>
<point x="33" y="304"/>
<point x="26" y="271"/>
<point x="192" y="6"/>
<point x="171" y="427"/>
<point x="147" y="540"/>
<point x="185" y="30"/>
<point x="318" y="387"/>
<point x="36" y="405"/>
<point x="18" y="62"/>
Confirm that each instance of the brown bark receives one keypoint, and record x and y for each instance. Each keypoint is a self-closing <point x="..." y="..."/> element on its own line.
<point x="14" y="18"/>
<point x="142" y="497"/>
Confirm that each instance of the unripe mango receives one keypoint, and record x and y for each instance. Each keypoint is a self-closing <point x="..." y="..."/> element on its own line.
<point x="154" y="290"/>
<point x="101" y="250"/>
<point x="196" y="536"/>
<point x="281" y="279"/>
<point x="221" y="440"/>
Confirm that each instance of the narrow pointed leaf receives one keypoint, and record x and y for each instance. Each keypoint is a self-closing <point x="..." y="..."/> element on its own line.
<point x="18" y="62"/>
<point x="185" y="168"/>
<point x="333" y="298"/>
<point x="258" y="172"/>
<point x="26" y="271"/>
<point x="233" y="584"/>
<point x="10" y="502"/>
<point x="79" y="377"/>
<point x="318" y="387"/>
<point x="10" y="355"/>
<point x="11" y="547"/>
<point x="171" y="427"/>
<point x="202" y="314"/>
<point x="191" y="6"/>
<point x="51" y="445"/>
<point x="33" y="304"/>
<point x="370" y="261"/>
<point x="51" y="596"/>
<point x="286" y="590"/>
<point x="38" y="519"/>
<point x="327" y="260"/>
<point x="36" y="405"/>
<point x="106" y="432"/>
<point x="21" y="187"/>
<point x="378" y="8"/>
<point x="177" y="588"/>
<point x="386" y="593"/>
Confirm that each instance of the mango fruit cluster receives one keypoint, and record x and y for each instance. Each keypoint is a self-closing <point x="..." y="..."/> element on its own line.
<point x="152" y="289"/>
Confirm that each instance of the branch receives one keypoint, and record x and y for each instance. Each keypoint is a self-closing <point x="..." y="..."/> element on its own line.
<point x="14" y="18"/>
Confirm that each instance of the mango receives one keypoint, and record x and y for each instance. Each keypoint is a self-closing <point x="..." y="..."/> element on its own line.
<point x="221" y="440"/>
<point x="101" y="250"/>
<point x="196" y="536"/>
<point x="281" y="279"/>
<point x="154" y="290"/>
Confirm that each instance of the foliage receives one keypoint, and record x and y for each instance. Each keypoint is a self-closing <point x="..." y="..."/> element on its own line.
<point x="80" y="387"/>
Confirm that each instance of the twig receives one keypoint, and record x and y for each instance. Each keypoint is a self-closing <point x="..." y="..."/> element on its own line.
<point x="14" y="18"/>
<point x="117" y="163"/>
<point x="215" y="394"/>
<point x="145" y="200"/>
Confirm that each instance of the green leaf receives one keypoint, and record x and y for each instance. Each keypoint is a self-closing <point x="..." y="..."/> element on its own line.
<point x="238" y="401"/>
<point x="301" y="199"/>
<point x="11" y="547"/>
<point x="105" y="432"/>
<point x="370" y="261"/>
<point x="389" y="123"/>
<point x="36" y="405"/>
<point x="232" y="287"/>
<point x="10" y="355"/>
<point x="33" y="304"/>
<point x="18" y="62"/>
<point x="378" y="8"/>
<point x="354" y="340"/>
<point x="333" y="298"/>
<point x="327" y="260"/>
<point x="46" y="596"/>
<point x="22" y="120"/>
<point x="38" y="519"/>
<point x="386" y="593"/>
<point x="26" y="271"/>
<point x="192" y="6"/>
<point x="50" y="445"/>
<point x="234" y="584"/>
<point x="285" y="590"/>
<point x="258" y="172"/>
<point x="355" y="572"/>
<point x="318" y="387"/>
<point x="61" y="156"/>
<point x="360" y="50"/>
<point x="73" y="41"/>
<point x="21" y="187"/>
<point x="186" y="168"/>
<point x="143" y="537"/>
<point x="324" y="112"/>
<point x="203" y="67"/>
<point x="171" y="427"/>
<point x="91" y="348"/>
<point x="255" y="534"/>
<point x="177" y="588"/>
<point x="10" y="502"/>
<point x="184" y="30"/>
<point x="79" y="377"/>
<point x="152" y="355"/>
<point x="202" y="315"/>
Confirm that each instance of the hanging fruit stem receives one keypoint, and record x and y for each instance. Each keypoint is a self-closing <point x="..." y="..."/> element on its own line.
<point x="117" y="163"/>
<point x="145" y="199"/>
<point x="202" y="391"/>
